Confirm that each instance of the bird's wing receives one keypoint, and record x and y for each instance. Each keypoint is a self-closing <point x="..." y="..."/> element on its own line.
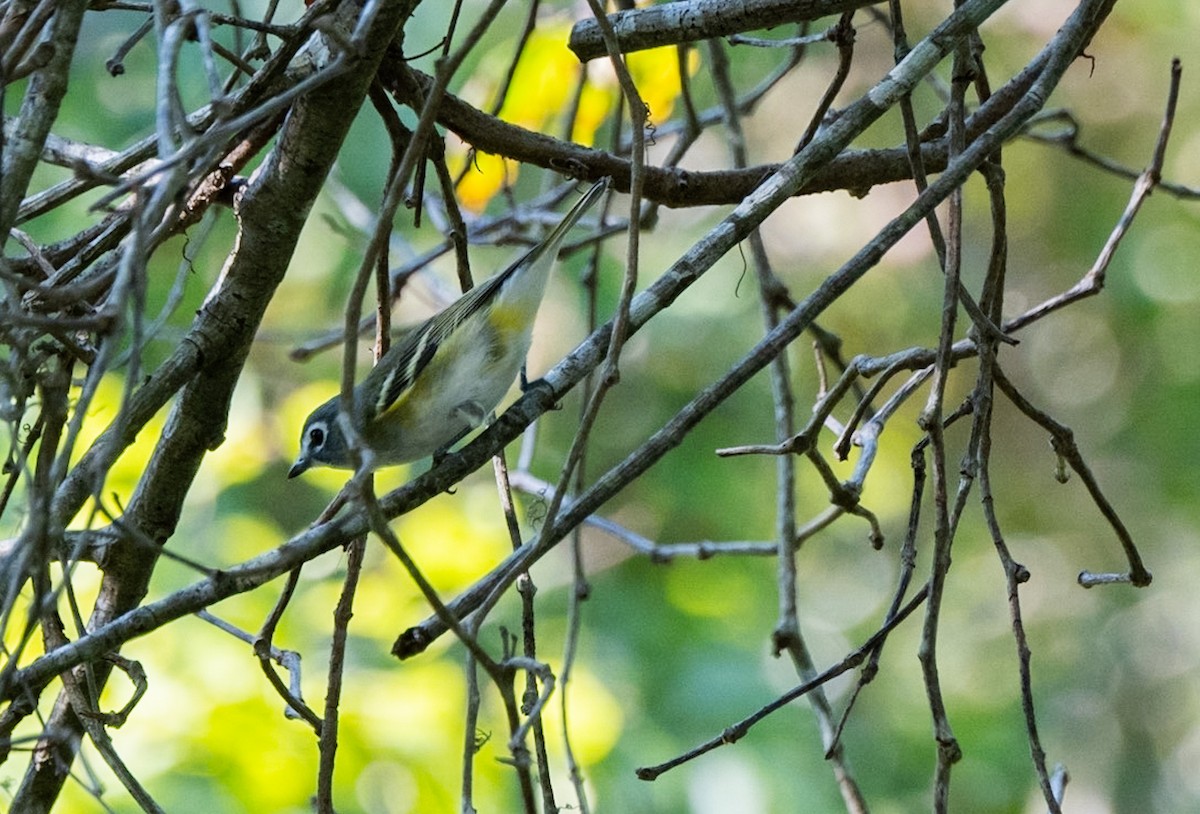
<point x="418" y="347"/>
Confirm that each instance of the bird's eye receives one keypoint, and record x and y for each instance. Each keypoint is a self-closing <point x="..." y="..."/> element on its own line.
<point x="316" y="438"/>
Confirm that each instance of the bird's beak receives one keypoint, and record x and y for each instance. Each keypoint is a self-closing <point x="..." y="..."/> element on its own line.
<point x="300" y="467"/>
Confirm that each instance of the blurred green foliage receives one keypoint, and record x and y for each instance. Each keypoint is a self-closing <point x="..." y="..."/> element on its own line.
<point x="672" y="654"/>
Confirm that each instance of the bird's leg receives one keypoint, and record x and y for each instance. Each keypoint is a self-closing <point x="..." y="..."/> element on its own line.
<point x="527" y="385"/>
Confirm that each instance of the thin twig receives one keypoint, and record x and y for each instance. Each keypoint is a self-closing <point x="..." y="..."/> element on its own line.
<point x="327" y="742"/>
<point x="1147" y="181"/>
<point x="737" y="731"/>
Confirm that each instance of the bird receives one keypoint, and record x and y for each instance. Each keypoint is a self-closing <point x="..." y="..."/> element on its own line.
<point x="446" y="376"/>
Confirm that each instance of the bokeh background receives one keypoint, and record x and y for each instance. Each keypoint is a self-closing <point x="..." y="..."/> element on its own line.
<point x="672" y="654"/>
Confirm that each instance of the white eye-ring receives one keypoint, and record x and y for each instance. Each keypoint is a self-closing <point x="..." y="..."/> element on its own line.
<point x="316" y="436"/>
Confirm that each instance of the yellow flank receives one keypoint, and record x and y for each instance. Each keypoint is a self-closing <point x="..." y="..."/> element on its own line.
<point x="402" y="406"/>
<point x="509" y="320"/>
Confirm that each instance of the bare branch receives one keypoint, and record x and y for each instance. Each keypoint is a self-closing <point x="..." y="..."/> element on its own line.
<point x="695" y="20"/>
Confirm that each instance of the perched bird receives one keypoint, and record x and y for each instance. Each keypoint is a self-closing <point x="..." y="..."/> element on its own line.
<point x="446" y="376"/>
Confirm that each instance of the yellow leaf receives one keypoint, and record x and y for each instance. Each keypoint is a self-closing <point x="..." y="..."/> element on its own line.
<point x="542" y="89"/>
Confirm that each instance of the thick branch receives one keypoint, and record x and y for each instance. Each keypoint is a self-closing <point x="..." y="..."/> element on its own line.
<point x="273" y="211"/>
<point x="695" y="20"/>
<point x="853" y="170"/>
